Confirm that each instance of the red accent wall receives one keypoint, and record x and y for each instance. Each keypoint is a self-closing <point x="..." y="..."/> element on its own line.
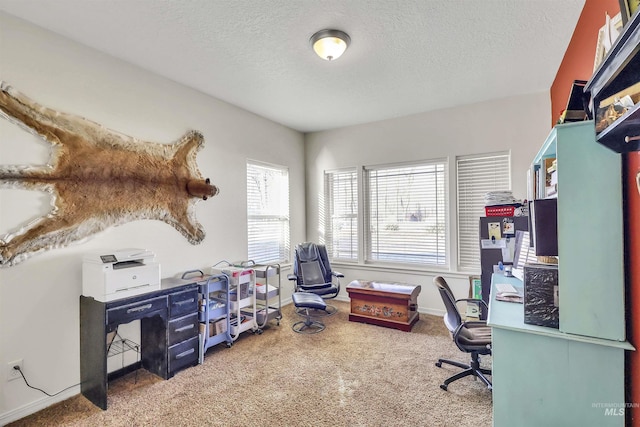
<point x="633" y="258"/>
<point x="577" y="63"/>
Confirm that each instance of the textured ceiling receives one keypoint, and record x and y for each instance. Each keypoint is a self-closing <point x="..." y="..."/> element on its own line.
<point x="406" y="56"/>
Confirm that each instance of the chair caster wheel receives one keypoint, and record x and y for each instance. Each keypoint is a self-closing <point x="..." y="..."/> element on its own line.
<point x="439" y="364"/>
<point x="443" y="386"/>
<point x="229" y="345"/>
<point x="490" y="387"/>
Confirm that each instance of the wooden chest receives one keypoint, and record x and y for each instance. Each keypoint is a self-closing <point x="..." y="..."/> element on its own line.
<point x="394" y="305"/>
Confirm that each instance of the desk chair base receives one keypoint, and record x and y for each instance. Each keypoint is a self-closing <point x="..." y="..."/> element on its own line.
<point x="469" y="370"/>
<point x="308" y="326"/>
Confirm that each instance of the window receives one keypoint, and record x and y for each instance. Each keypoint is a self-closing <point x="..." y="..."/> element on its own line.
<point x="341" y="225"/>
<point x="477" y="175"/>
<point x="406" y="214"/>
<point x="268" y="213"/>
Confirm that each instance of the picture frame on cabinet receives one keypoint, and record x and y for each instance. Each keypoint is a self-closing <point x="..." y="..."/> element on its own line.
<point x="627" y="9"/>
<point x="607" y="35"/>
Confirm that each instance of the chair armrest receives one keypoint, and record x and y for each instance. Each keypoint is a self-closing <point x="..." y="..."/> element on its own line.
<point x="473" y="300"/>
<point x="337" y="274"/>
<point x="475" y="323"/>
<point x="292" y="277"/>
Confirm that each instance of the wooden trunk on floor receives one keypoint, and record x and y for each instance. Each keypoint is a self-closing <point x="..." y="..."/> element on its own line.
<point x="393" y="305"/>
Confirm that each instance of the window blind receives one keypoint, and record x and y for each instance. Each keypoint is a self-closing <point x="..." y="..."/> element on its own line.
<point x="268" y="213"/>
<point x="406" y="214"/>
<point x="477" y="175"/>
<point x="341" y="202"/>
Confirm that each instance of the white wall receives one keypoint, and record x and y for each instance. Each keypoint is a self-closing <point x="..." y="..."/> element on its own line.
<point x="518" y="124"/>
<point x="39" y="298"/>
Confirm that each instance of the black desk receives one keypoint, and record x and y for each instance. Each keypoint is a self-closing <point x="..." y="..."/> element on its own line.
<point x="168" y="329"/>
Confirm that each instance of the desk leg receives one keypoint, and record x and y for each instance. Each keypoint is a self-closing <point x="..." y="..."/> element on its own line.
<point x="93" y="351"/>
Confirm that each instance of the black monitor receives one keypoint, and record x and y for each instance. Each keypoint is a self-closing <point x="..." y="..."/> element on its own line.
<point x="543" y="218"/>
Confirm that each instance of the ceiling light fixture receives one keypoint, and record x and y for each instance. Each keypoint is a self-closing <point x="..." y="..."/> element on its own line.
<point x="330" y="44"/>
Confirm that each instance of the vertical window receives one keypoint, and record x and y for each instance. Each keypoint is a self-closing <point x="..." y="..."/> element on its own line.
<point x="268" y="213"/>
<point x="341" y="224"/>
<point x="405" y="213"/>
<point x="476" y="176"/>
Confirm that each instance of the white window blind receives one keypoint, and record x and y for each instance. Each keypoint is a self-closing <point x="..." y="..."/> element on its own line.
<point x="268" y="213"/>
<point x="341" y="203"/>
<point x="477" y="175"/>
<point x="405" y="213"/>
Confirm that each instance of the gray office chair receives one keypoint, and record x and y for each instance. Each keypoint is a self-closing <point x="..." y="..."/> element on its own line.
<point x="470" y="337"/>
<point x="312" y="273"/>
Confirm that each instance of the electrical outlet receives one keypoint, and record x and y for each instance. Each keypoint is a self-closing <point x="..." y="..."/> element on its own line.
<point x="14" y="374"/>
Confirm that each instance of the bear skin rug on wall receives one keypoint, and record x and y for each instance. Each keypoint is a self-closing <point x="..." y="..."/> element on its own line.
<point x="98" y="178"/>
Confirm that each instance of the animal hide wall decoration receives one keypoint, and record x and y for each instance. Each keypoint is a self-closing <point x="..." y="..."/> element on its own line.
<point x="97" y="179"/>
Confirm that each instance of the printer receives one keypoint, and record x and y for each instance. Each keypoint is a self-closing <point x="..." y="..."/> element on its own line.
<point x="119" y="274"/>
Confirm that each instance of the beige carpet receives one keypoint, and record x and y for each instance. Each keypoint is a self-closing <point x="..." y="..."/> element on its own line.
<point x="351" y="374"/>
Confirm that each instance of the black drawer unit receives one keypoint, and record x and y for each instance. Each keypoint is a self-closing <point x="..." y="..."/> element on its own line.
<point x="182" y="303"/>
<point x="183" y="328"/>
<point x="183" y="355"/>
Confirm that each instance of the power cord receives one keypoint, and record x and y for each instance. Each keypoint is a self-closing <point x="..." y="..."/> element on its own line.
<point x="17" y="368"/>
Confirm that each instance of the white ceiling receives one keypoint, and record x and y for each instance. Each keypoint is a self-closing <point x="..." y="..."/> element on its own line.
<point x="406" y="56"/>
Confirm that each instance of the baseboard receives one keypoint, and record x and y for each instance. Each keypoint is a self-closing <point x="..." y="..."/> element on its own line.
<point x="37" y="405"/>
<point x="431" y="311"/>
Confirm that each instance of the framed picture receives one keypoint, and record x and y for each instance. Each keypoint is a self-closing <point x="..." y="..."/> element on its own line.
<point x="607" y="37"/>
<point x="627" y="9"/>
<point x="475" y="287"/>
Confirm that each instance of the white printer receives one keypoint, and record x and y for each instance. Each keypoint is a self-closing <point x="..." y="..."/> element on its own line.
<point x="119" y="274"/>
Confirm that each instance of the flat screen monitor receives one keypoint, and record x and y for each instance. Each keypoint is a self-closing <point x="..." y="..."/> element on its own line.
<point x="543" y="214"/>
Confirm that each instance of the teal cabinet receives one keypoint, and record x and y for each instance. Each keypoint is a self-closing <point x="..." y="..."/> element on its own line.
<point x="545" y="377"/>
<point x="574" y="375"/>
<point x="590" y="232"/>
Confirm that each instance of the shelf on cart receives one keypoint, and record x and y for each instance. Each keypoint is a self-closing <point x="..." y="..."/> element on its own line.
<point x="262" y="295"/>
<point x="246" y="323"/>
<point x="215" y="286"/>
<point x="272" y="313"/>
<point x="214" y="314"/>
<point x="263" y="271"/>
<point x="235" y="305"/>
<point x="219" y="311"/>
<point x="216" y="327"/>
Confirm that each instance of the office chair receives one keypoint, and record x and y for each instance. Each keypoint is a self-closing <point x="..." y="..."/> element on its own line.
<point x="471" y="337"/>
<point x="312" y="273"/>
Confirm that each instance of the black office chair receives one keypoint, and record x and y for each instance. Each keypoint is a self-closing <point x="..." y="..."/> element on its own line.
<point x="471" y="337"/>
<point x="312" y="273"/>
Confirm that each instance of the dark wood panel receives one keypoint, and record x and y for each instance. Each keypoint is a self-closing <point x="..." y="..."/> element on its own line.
<point x="93" y="350"/>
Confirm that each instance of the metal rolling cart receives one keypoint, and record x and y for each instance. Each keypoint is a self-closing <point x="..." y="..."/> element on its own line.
<point x="213" y="311"/>
<point x="242" y="299"/>
<point x="267" y="307"/>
